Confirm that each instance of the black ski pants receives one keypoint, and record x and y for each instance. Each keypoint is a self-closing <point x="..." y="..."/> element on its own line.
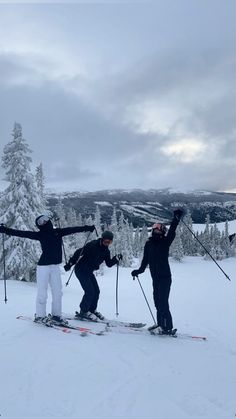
<point x="91" y="289"/>
<point x="161" y="292"/>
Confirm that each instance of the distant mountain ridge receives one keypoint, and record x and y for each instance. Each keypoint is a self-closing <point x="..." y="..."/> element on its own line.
<point x="147" y="206"/>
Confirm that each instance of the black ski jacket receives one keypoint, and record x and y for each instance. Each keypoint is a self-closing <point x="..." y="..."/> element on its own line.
<point x="156" y="253"/>
<point x="50" y="240"/>
<point x="92" y="255"/>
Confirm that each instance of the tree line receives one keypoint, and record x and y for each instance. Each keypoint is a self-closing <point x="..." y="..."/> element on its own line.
<point x="24" y="199"/>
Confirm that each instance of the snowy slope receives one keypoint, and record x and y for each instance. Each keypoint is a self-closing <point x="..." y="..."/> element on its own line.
<point x="44" y="372"/>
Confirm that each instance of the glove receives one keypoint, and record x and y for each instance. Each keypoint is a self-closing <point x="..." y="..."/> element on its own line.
<point x="67" y="266"/>
<point x="3" y="229"/>
<point x="119" y="257"/>
<point x="231" y="237"/>
<point x="89" y="228"/>
<point x="135" y="272"/>
<point x="178" y="214"/>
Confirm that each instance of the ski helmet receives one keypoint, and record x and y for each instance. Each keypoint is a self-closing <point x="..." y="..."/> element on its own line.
<point x="160" y="227"/>
<point x="42" y="220"/>
<point x="107" y="235"/>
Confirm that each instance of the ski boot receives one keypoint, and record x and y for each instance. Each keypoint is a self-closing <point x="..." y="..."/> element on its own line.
<point x="43" y="320"/>
<point x="57" y="320"/>
<point x="86" y="316"/>
<point x="99" y="315"/>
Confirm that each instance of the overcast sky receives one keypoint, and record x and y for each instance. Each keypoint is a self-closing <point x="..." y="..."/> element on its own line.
<point x="122" y="95"/>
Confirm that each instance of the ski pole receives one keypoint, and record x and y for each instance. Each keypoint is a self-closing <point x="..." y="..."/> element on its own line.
<point x="146" y="299"/>
<point x="194" y="235"/>
<point x="80" y="256"/>
<point x="63" y="246"/>
<point x="117" y="276"/>
<point x="4" y="267"/>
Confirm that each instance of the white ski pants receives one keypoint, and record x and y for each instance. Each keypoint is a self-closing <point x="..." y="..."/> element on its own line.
<point x="48" y="274"/>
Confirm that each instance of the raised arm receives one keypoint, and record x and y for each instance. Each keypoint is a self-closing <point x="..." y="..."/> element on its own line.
<point x="33" y="235"/>
<point x="176" y="219"/>
<point x="71" y="230"/>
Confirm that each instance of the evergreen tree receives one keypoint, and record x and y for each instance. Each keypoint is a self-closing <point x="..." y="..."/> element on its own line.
<point x="187" y="237"/>
<point x="136" y="243"/>
<point x="177" y="249"/>
<point x="114" y="228"/>
<point x="124" y="242"/>
<point x="216" y="248"/>
<point x="40" y="183"/>
<point x="228" y="250"/>
<point x="71" y="220"/>
<point x="21" y="204"/>
<point x="97" y="221"/>
<point x="61" y="221"/>
<point x="207" y="237"/>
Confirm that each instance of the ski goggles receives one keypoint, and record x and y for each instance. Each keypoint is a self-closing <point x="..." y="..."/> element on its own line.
<point x="43" y="220"/>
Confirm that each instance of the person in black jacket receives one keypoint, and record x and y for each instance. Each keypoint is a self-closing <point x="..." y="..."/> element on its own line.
<point x="156" y="253"/>
<point x="48" y="270"/>
<point x="87" y="260"/>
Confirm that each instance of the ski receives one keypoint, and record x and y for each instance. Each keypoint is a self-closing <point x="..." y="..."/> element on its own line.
<point x="79" y="328"/>
<point x="172" y="334"/>
<point x="175" y="334"/>
<point x="146" y="332"/>
<point x="84" y="331"/>
<point x="154" y="330"/>
<point x="109" y="323"/>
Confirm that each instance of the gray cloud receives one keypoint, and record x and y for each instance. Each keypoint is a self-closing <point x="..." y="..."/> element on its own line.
<point x="148" y="105"/>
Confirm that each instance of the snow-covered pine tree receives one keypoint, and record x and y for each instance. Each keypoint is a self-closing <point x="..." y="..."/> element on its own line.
<point x="60" y="221"/>
<point x="227" y="249"/>
<point x="97" y="221"/>
<point x="207" y="237"/>
<point x="81" y="237"/>
<point x="40" y="183"/>
<point x="124" y="241"/>
<point x="188" y="242"/>
<point x="21" y="204"/>
<point x="136" y="242"/>
<point x="71" y="220"/>
<point x="216" y="248"/>
<point x="177" y="249"/>
<point x="60" y="212"/>
<point x="114" y="228"/>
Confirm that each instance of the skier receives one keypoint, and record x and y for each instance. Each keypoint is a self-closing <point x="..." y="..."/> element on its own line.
<point x="87" y="260"/>
<point x="48" y="268"/>
<point x="156" y="252"/>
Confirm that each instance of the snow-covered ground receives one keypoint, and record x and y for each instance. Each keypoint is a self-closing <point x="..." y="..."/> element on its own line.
<point x="44" y="372"/>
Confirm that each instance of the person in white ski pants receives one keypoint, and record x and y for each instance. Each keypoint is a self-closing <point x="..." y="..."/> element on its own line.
<point x="49" y="275"/>
<point x="48" y="267"/>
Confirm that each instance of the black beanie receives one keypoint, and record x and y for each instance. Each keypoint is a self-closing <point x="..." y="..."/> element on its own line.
<point x="107" y="235"/>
